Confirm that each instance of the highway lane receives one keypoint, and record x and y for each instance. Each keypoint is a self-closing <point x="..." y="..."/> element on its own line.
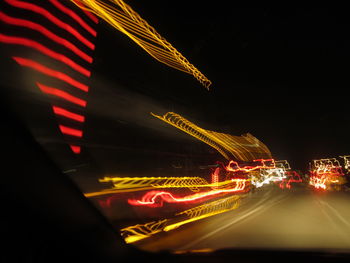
<point x="269" y="218"/>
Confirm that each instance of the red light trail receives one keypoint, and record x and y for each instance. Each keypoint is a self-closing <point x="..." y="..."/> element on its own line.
<point x="76" y="149"/>
<point x="292" y="177"/>
<point x="61" y="94"/>
<point x="52" y="18"/>
<point x="250" y="168"/>
<point x="70" y="131"/>
<point x="39" y="28"/>
<point x="87" y="13"/>
<point x="56" y="16"/>
<point x="73" y="15"/>
<point x="50" y="72"/>
<point x="70" y="115"/>
<point x="35" y="45"/>
<point x="152" y="198"/>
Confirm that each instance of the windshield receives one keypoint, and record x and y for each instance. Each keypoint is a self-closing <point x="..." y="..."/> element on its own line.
<point x="190" y="127"/>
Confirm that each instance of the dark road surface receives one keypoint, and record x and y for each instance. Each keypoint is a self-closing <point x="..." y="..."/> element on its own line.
<point x="270" y="218"/>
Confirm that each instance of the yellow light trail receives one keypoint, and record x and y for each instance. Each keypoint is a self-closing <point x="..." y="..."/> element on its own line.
<point x="138" y="232"/>
<point x="122" y="17"/>
<point x="245" y="147"/>
<point x="135" y="233"/>
<point x="131" y="184"/>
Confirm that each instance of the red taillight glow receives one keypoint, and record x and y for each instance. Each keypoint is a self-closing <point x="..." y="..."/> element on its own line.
<point x="87" y="13"/>
<point x="73" y="15"/>
<point x="39" y="28"/>
<point x="75" y="149"/>
<point x="50" y="72"/>
<point x="52" y="18"/>
<point x="250" y="168"/>
<point x="156" y="198"/>
<point x="61" y="94"/>
<point x="35" y="45"/>
<point x="68" y="114"/>
<point x="71" y="131"/>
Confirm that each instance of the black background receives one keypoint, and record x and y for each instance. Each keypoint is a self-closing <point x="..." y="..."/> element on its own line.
<point x="280" y="74"/>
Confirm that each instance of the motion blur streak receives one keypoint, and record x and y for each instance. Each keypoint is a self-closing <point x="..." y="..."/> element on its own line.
<point x="318" y="182"/>
<point x="132" y="184"/>
<point x="70" y="131"/>
<point x="134" y="233"/>
<point x="52" y="18"/>
<point x="65" y="113"/>
<point x="250" y="168"/>
<point x="292" y="177"/>
<point x="92" y="17"/>
<point x="44" y="50"/>
<point x="50" y="72"/>
<point x="73" y="15"/>
<point x="150" y="198"/>
<point x="267" y="176"/>
<point x="59" y="22"/>
<point x="161" y="182"/>
<point x="39" y="28"/>
<point x="215" y="178"/>
<point x="206" y="210"/>
<point x="76" y="149"/>
<point x="346" y="159"/>
<point x="214" y="206"/>
<point x="122" y="17"/>
<point x="156" y="182"/>
<point x="61" y="94"/>
<point x="326" y="174"/>
<point x="244" y="148"/>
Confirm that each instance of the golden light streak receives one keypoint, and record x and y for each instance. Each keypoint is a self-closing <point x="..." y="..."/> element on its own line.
<point x="245" y="147"/>
<point x="122" y="17"/>
<point x="138" y="232"/>
<point x="216" y="207"/>
<point x="155" y="182"/>
<point x="222" y="204"/>
<point x="157" y="198"/>
<point x="135" y="233"/>
<point x="132" y="184"/>
<point x="202" y="250"/>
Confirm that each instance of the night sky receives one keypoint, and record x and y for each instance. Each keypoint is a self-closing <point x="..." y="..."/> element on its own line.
<point x="280" y="74"/>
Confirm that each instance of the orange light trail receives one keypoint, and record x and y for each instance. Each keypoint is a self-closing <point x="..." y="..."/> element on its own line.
<point x="123" y="18"/>
<point x="150" y="198"/>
